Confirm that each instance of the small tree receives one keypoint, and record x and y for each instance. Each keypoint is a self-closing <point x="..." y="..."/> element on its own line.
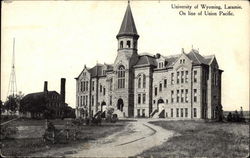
<point x="11" y="105"/>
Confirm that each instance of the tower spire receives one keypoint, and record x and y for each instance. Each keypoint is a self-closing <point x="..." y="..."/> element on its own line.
<point x="128" y="25"/>
<point x="12" y="90"/>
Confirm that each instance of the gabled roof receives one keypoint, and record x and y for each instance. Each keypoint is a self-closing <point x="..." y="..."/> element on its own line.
<point x="196" y="57"/>
<point x="128" y="24"/>
<point x="209" y="59"/>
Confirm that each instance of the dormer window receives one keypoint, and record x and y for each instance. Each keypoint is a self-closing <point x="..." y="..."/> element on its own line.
<point x="161" y="65"/>
<point x="182" y="61"/>
<point x="121" y="44"/>
<point x="128" y="44"/>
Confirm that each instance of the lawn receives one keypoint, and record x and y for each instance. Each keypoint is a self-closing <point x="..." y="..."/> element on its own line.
<point x="200" y="139"/>
<point x="29" y="146"/>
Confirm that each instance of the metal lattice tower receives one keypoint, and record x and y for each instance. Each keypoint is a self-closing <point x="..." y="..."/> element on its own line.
<point x="12" y="90"/>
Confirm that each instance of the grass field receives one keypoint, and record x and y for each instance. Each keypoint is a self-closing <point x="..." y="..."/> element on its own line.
<point x="27" y="146"/>
<point x="200" y="139"/>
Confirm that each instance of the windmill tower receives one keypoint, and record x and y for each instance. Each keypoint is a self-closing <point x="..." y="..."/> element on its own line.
<point x="12" y="90"/>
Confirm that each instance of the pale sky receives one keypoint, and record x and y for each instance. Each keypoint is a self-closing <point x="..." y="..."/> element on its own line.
<point x="55" y="39"/>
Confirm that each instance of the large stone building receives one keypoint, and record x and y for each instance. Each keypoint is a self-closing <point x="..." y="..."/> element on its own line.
<point x="181" y="86"/>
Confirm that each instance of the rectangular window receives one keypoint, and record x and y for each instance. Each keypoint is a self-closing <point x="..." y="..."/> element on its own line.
<point x="83" y="100"/>
<point x="83" y="85"/>
<point x="172" y="78"/>
<point x="195" y="112"/>
<point x="138" y="113"/>
<point x="144" y="81"/>
<point x="110" y="100"/>
<point x="93" y="85"/>
<point x="186" y="95"/>
<point x="177" y="112"/>
<point x="93" y="99"/>
<point x="87" y="85"/>
<point x="195" y="76"/>
<point x="177" y="96"/>
<point x="182" y="96"/>
<point x="160" y="87"/>
<point x="172" y="113"/>
<point x="178" y="77"/>
<point x="78" y="101"/>
<point x="182" y="76"/>
<point x="86" y="100"/>
<point x="186" y="112"/>
<point x="195" y="95"/>
<point x="139" y="82"/>
<point x="100" y="88"/>
<point x="155" y="91"/>
<point x="143" y="112"/>
<point x="104" y="91"/>
<point x="172" y="96"/>
<point x="139" y="98"/>
<point x="181" y="112"/>
<point x="186" y="77"/>
<point x="144" y="98"/>
<point x="165" y="83"/>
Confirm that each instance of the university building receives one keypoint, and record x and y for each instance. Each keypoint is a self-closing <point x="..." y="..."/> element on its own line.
<point x="183" y="86"/>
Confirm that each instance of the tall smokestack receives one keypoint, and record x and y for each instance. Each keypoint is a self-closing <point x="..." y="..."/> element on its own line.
<point x="63" y="81"/>
<point x="45" y="89"/>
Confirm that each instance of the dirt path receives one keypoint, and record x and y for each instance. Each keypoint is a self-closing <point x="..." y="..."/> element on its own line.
<point x="137" y="137"/>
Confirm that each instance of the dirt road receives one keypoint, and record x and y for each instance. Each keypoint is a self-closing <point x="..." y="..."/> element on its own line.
<point x="135" y="138"/>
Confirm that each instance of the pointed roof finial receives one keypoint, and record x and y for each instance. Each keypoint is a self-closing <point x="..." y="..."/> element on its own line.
<point x="128" y="1"/>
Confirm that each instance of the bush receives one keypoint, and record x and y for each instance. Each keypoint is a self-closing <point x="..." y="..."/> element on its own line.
<point x="7" y="131"/>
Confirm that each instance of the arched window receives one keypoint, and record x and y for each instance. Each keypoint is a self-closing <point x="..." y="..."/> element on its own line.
<point x="121" y="77"/>
<point x="128" y="44"/>
<point x="121" y="44"/>
<point x="139" y="82"/>
<point x="144" y="81"/>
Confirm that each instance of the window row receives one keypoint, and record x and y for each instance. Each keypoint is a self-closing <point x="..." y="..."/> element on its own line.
<point x="83" y="100"/>
<point x="182" y="112"/>
<point x="182" y="77"/>
<point x="141" y="98"/>
<point x="182" y="96"/>
<point x="142" y="81"/>
<point x="84" y="86"/>
<point x="140" y="112"/>
<point x="102" y="89"/>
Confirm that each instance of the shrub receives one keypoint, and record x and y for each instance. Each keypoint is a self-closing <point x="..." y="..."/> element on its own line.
<point x="7" y="131"/>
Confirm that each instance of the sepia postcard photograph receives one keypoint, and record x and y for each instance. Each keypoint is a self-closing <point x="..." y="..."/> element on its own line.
<point x="125" y="78"/>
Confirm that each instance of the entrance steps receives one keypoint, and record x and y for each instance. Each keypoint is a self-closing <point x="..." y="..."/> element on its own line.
<point x="159" y="114"/>
<point x="119" y="113"/>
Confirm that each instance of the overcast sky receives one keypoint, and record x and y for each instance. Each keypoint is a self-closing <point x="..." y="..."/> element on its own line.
<point x="55" y="39"/>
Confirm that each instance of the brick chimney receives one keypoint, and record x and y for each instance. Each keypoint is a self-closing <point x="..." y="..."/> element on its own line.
<point x="45" y="89"/>
<point x="63" y="81"/>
